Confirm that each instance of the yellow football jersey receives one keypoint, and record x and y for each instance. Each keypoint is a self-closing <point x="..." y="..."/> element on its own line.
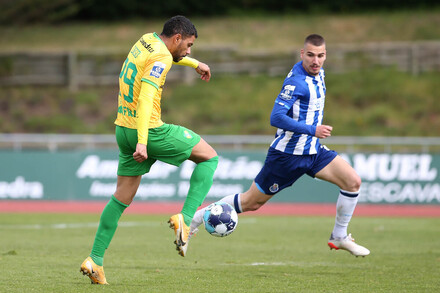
<point x="148" y="61"/>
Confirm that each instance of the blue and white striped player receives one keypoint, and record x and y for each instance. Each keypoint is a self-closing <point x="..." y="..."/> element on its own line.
<point x="298" y="113"/>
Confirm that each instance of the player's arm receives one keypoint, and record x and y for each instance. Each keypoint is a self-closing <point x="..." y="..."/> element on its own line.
<point x="280" y="119"/>
<point x="154" y="75"/>
<point x="144" y="110"/>
<point x="188" y="61"/>
<point x="292" y="91"/>
<point x="289" y="94"/>
<point x="200" y="67"/>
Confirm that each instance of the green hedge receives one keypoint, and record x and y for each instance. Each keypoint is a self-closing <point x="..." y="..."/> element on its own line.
<point x="376" y="102"/>
<point x="53" y="11"/>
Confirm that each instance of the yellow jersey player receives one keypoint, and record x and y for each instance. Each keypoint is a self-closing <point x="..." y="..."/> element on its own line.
<point x="143" y="137"/>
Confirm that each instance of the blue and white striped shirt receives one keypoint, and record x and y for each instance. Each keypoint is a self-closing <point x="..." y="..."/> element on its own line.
<point x="298" y="110"/>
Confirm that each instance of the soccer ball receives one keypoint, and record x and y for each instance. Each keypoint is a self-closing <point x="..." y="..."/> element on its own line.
<point x="220" y="219"/>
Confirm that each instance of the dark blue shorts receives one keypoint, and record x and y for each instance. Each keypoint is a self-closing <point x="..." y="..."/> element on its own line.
<point x="281" y="170"/>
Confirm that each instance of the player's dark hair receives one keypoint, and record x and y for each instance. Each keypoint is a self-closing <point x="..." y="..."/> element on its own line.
<point x="179" y="25"/>
<point x="315" y="40"/>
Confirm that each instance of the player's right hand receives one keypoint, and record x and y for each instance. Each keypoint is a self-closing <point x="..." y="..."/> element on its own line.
<point x="323" y="131"/>
<point x="140" y="154"/>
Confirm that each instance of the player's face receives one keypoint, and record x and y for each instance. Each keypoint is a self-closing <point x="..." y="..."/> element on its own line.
<point x="313" y="58"/>
<point x="183" y="48"/>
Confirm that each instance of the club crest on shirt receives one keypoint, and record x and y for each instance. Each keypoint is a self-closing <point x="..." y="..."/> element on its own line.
<point x="157" y="70"/>
<point x="187" y="134"/>
<point x="135" y="52"/>
<point x="274" y="188"/>
<point x="287" y="92"/>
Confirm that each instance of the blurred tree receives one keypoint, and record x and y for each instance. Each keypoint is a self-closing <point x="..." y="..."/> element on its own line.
<point x="41" y="11"/>
<point x="53" y="11"/>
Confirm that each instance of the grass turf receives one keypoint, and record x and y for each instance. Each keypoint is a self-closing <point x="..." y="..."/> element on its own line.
<point x="43" y="252"/>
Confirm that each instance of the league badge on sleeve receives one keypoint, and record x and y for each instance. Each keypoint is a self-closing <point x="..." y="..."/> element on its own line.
<point x="157" y="70"/>
<point x="287" y="92"/>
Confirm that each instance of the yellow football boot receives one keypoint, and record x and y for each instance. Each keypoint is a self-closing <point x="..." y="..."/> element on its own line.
<point x="93" y="271"/>
<point x="181" y="231"/>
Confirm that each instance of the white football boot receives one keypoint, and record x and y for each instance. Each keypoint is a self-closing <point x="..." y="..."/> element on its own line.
<point x="348" y="244"/>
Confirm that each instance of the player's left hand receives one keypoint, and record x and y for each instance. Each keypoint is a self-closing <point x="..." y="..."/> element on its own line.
<point x="204" y="71"/>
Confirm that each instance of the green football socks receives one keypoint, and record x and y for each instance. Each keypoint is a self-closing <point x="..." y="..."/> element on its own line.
<point x="200" y="183"/>
<point x="106" y="229"/>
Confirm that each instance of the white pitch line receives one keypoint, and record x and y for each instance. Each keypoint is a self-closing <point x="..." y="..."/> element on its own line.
<point x="72" y="225"/>
<point x="92" y="225"/>
<point x="294" y="263"/>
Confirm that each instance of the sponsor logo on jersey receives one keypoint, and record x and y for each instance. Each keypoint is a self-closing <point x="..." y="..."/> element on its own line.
<point x="157" y="70"/>
<point x="287" y="92"/>
<point x="274" y="188"/>
<point x="146" y="45"/>
<point x="126" y="111"/>
<point x="319" y="104"/>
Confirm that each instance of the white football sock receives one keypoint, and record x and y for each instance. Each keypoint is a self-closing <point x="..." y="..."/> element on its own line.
<point x="233" y="200"/>
<point x="344" y="211"/>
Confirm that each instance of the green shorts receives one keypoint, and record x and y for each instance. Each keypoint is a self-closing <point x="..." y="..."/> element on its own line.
<point x="168" y="143"/>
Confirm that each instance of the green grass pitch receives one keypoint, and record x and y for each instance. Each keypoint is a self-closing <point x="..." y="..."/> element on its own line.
<point x="43" y="253"/>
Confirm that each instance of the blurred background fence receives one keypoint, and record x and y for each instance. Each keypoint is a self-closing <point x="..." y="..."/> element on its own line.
<point x="74" y="69"/>
<point x="347" y="144"/>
